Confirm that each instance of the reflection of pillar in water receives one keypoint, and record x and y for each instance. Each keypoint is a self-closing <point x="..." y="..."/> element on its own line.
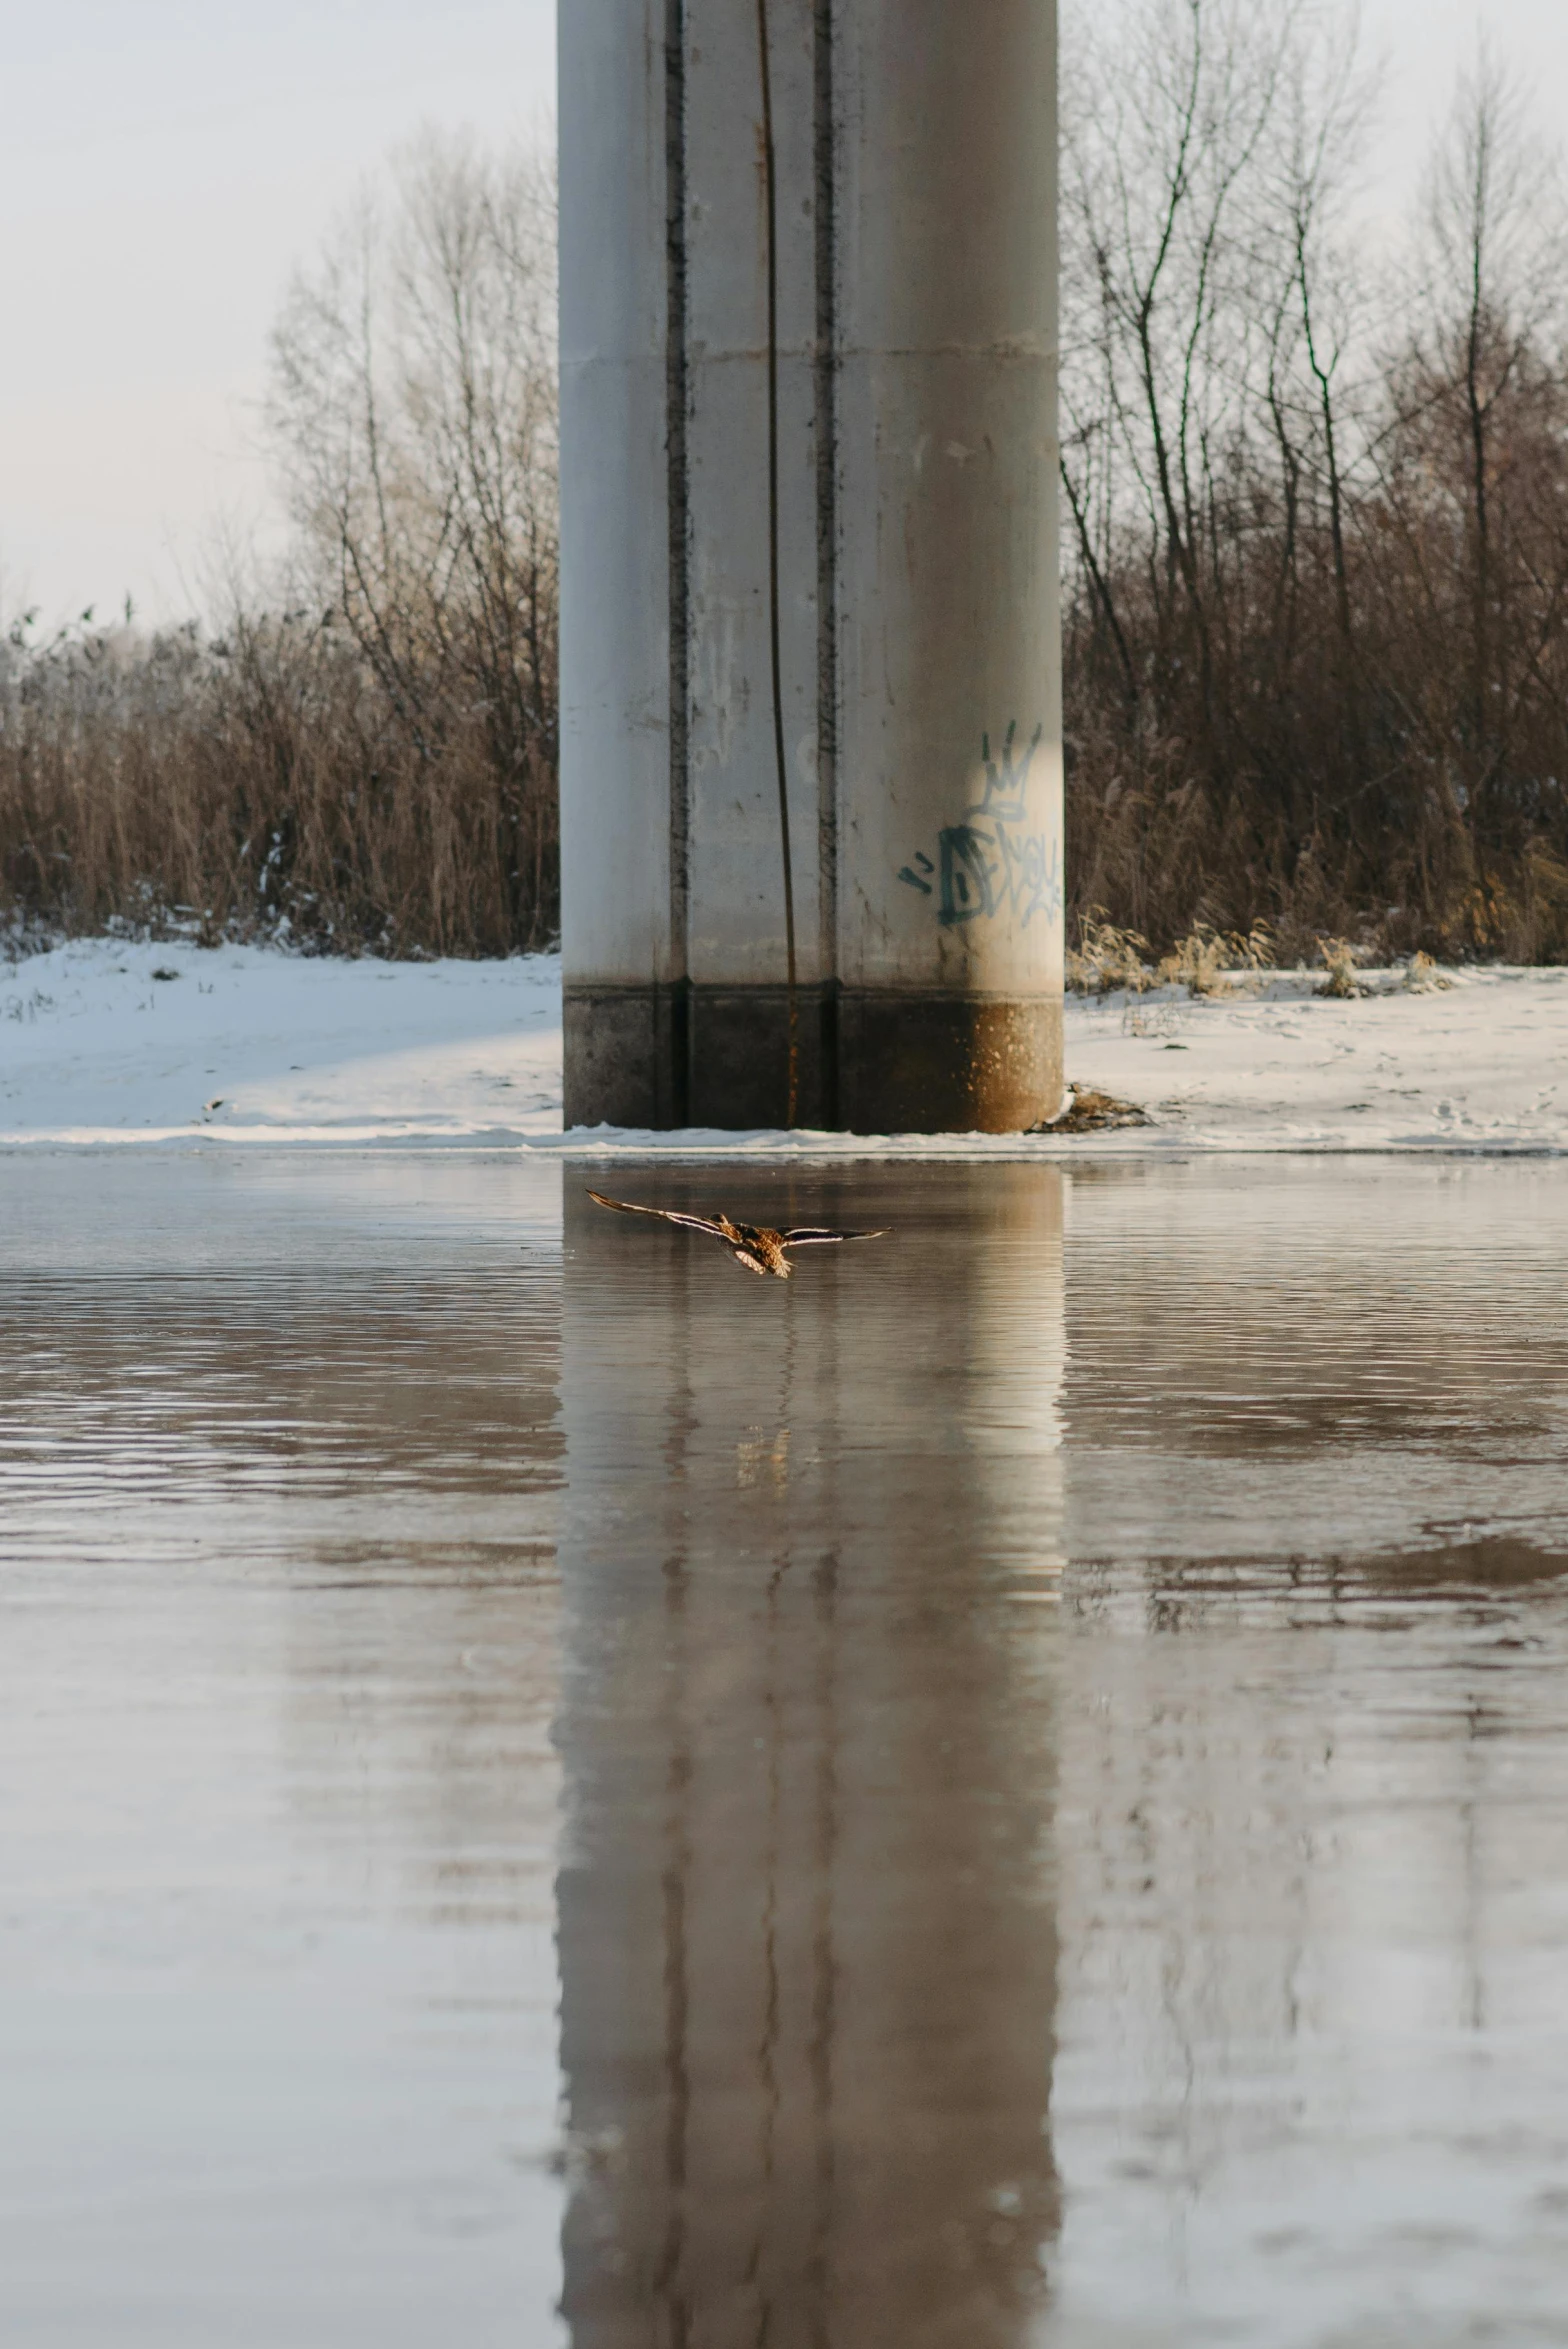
<point x="807" y="1948"/>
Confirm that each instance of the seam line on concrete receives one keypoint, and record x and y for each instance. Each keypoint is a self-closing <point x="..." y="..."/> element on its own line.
<point x="826" y="167"/>
<point x="677" y="1056"/>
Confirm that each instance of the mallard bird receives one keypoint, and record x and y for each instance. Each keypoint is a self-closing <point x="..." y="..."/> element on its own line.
<point x="760" y="1250"/>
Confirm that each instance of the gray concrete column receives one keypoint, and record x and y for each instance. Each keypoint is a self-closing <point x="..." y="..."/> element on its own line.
<point x="919" y="631"/>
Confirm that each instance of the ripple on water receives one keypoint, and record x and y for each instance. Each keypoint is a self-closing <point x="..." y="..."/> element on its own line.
<point x="510" y="1725"/>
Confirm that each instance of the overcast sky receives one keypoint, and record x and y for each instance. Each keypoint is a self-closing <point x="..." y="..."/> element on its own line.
<point x="163" y="163"/>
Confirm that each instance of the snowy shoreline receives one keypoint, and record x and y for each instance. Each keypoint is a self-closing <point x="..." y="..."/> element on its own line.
<point x="106" y="1044"/>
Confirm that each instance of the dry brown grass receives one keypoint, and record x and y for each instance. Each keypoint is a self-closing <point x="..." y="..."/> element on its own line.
<point x="1106" y="958"/>
<point x="265" y="785"/>
<point x="1339" y="960"/>
<point x="1205" y="961"/>
<point x="1422" y="976"/>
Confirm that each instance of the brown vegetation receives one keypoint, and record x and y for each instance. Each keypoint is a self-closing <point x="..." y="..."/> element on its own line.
<point x="1317" y="607"/>
<point x="366" y="757"/>
<point x="262" y="784"/>
<point x="1316" y="547"/>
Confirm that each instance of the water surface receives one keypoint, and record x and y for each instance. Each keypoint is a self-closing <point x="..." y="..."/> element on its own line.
<point x="1011" y="1791"/>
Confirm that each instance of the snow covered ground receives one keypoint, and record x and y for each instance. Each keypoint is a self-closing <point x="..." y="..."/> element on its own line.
<point x="248" y="1044"/>
<point x="245" y="1045"/>
<point x="1481" y="1064"/>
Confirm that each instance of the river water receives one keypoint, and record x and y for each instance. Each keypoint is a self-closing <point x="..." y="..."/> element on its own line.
<point x="1009" y="1794"/>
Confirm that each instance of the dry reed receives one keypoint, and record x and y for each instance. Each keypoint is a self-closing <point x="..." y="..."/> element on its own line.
<point x="264" y="785"/>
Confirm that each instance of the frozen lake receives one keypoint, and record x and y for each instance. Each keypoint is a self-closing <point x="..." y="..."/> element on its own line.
<point x="1010" y="1794"/>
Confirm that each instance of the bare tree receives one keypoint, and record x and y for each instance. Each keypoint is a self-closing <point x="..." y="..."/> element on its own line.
<point x="1166" y="133"/>
<point x="1495" y="307"/>
<point x="1317" y="607"/>
<point x="413" y="406"/>
<point x="1316" y="603"/>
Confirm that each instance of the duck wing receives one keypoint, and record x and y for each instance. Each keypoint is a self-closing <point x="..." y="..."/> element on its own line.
<point x="810" y="1235"/>
<point x="690" y="1223"/>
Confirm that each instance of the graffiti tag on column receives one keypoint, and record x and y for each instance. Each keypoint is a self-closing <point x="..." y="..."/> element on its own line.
<point x="991" y="863"/>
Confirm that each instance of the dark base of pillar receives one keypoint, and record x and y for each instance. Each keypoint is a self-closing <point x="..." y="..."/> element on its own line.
<point x="867" y="1063"/>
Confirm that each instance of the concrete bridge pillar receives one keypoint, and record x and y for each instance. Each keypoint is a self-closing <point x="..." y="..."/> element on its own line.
<point x="914" y="360"/>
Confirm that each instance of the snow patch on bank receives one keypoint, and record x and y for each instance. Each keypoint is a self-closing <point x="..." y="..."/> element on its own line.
<point x="250" y="1044"/>
<point x="247" y="1045"/>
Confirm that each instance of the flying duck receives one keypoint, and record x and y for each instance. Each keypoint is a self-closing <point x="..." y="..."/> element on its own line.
<point x="760" y="1250"/>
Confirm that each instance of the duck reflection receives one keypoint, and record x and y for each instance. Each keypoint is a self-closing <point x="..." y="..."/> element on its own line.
<point x="806" y="1935"/>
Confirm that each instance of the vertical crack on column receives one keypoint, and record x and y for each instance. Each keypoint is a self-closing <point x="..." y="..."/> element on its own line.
<point x="826" y="388"/>
<point x="677" y="1054"/>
